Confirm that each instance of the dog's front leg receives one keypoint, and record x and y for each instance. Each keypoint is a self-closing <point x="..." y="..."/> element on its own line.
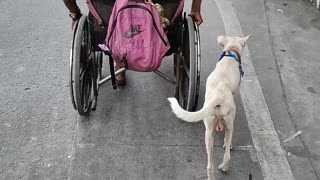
<point x="224" y="166"/>
<point x="209" y="140"/>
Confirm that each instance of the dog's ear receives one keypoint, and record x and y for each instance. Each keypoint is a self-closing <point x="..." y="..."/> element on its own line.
<point x="221" y="40"/>
<point x="244" y="40"/>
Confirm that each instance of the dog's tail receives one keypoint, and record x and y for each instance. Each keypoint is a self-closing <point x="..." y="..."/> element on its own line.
<point x="190" y="116"/>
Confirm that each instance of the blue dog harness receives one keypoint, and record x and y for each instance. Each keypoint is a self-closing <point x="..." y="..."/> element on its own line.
<point x="230" y="54"/>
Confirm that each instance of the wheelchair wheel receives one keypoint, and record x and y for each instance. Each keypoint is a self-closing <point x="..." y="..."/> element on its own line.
<point x="81" y="78"/>
<point x="189" y="71"/>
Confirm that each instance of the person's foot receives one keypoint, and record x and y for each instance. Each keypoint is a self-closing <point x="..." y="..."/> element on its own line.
<point x="121" y="78"/>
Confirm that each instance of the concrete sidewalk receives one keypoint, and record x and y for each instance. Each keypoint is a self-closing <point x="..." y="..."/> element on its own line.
<point x="285" y="55"/>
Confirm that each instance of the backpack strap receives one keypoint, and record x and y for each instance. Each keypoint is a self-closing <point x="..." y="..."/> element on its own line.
<point x="112" y="73"/>
<point x="107" y="52"/>
<point x="94" y="12"/>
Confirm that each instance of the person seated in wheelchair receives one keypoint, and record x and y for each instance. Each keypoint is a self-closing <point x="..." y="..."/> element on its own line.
<point x="166" y="10"/>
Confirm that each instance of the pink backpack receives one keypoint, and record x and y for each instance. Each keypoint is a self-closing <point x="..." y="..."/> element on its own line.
<point x="135" y="36"/>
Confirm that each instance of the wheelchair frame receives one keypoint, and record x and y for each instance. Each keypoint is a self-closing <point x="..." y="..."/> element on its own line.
<point x="86" y="67"/>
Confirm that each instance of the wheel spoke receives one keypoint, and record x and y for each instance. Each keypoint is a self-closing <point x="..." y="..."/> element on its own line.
<point x="83" y="70"/>
<point x="85" y="95"/>
<point x="186" y="69"/>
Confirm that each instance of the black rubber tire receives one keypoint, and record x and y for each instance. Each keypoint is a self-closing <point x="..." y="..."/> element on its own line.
<point x="81" y="70"/>
<point x="176" y="71"/>
<point x="189" y="82"/>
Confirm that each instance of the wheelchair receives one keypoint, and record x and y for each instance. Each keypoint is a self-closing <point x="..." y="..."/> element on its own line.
<point x="86" y="63"/>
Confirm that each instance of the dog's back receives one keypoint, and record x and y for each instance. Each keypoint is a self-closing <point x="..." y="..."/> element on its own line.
<point x="225" y="75"/>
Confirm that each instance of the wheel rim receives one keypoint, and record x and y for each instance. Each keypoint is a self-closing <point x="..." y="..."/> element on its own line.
<point x="71" y="80"/>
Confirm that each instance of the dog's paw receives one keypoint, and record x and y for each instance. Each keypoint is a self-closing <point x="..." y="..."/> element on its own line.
<point x="223" y="168"/>
<point x="210" y="173"/>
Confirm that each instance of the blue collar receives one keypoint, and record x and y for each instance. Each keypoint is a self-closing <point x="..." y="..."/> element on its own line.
<point x="230" y="54"/>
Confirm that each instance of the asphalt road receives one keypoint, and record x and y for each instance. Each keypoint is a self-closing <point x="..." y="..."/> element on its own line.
<point x="133" y="133"/>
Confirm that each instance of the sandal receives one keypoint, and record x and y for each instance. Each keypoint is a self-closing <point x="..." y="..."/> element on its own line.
<point x="121" y="79"/>
<point x="121" y="82"/>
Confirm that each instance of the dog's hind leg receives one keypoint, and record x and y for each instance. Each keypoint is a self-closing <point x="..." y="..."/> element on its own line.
<point x="228" y="140"/>
<point x="224" y="144"/>
<point x="209" y="140"/>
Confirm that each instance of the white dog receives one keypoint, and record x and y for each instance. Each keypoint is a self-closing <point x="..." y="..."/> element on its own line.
<point x="219" y="109"/>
